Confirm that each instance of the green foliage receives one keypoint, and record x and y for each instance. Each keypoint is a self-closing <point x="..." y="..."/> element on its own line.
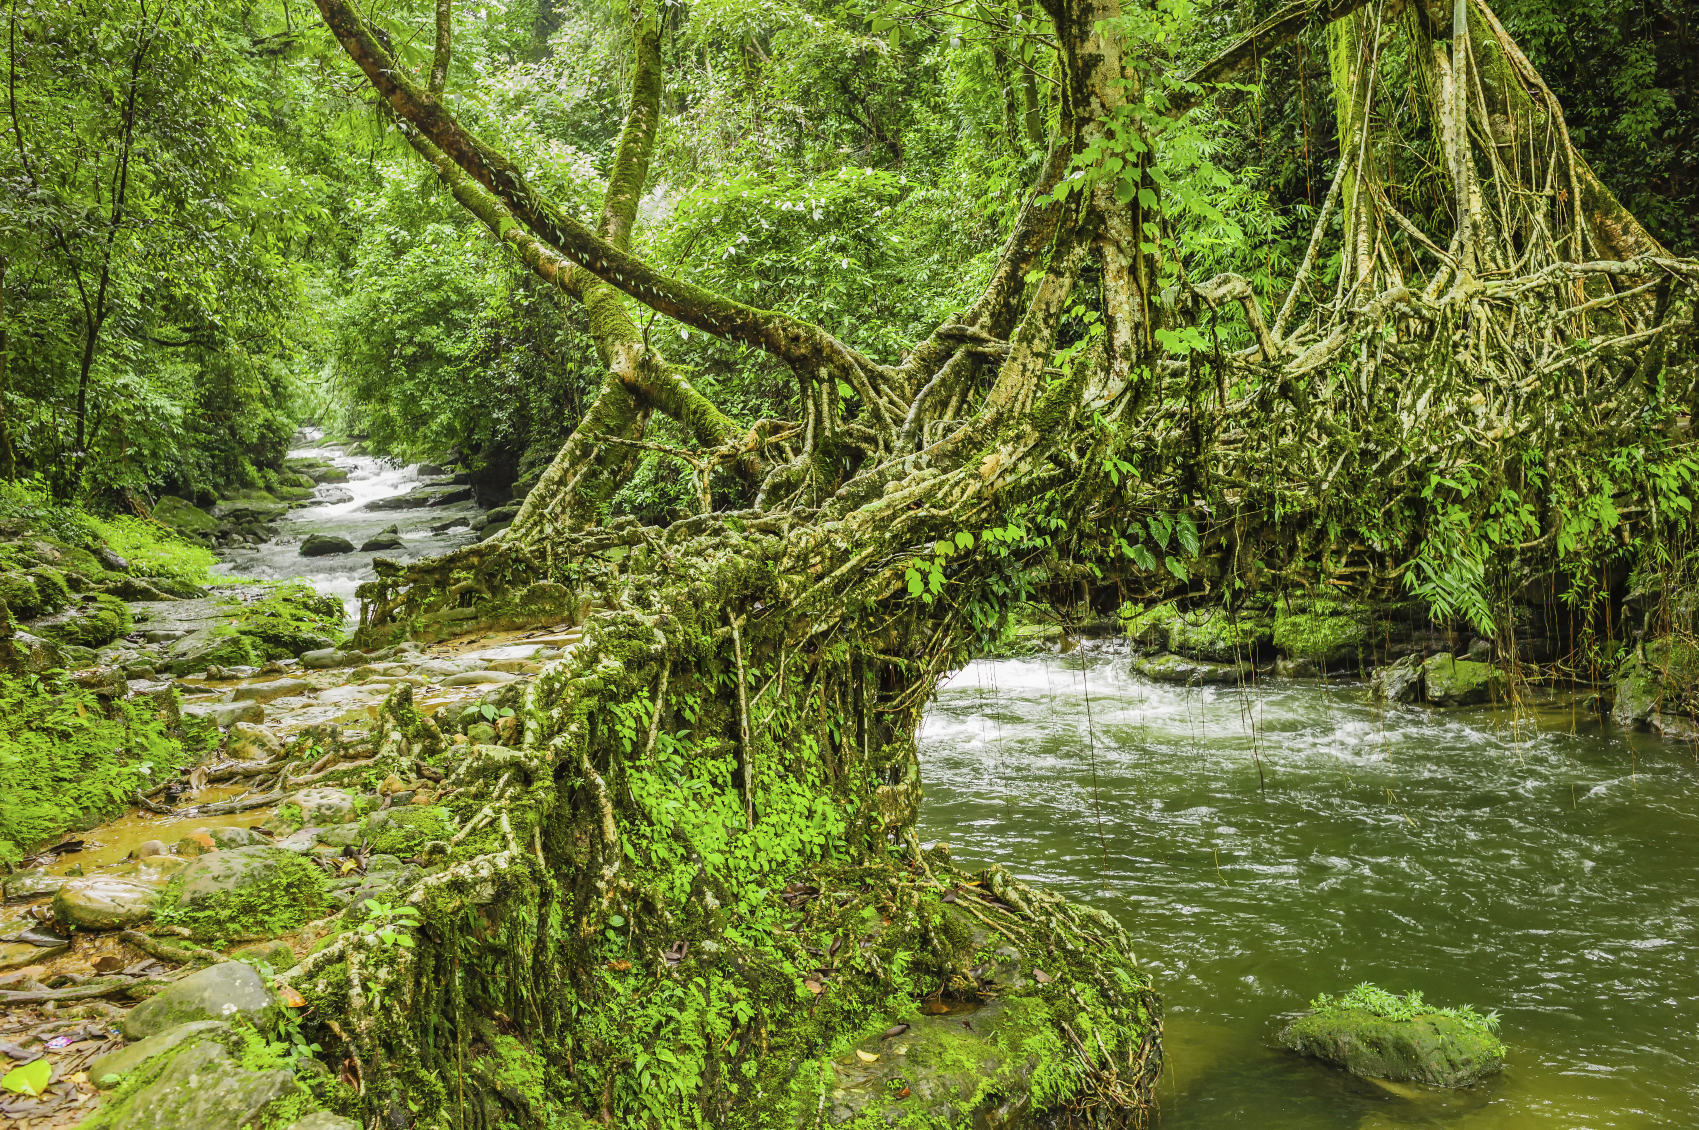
<point x="291" y="618"/>
<point x="289" y="898"/>
<point x="153" y="550"/>
<point x="1372" y="999"/>
<point x="65" y="757"/>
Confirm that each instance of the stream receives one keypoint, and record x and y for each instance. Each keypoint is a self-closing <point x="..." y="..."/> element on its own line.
<point x="1536" y="864"/>
<point x="1266" y="845"/>
<point x="343" y="515"/>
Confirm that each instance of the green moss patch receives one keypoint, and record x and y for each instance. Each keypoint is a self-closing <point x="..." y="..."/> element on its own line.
<point x="66" y="757"/>
<point x="403" y="831"/>
<point x="249" y="892"/>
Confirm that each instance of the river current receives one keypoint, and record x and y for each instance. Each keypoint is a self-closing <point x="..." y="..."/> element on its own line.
<point x="1264" y="845"/>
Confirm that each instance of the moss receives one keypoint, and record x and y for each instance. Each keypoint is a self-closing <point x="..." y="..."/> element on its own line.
<point x="1217" y="635"/>
<point x="403" y="831"/>
<point x="1325" y="633"/>
<point x="66" y="757"/>
<point x="98" y="621"/>
<point x="291" y="895"/>
<point x="21" y="596"/>
<point x="293" y="618"/>
<point x="1148" y="627"/>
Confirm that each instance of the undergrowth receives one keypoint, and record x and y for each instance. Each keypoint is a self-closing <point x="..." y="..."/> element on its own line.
<point x="1389" y="1006"/>
<point x="65" y="757"/>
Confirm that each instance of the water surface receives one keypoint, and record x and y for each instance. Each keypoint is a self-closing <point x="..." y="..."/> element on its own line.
<point x="1264" y="845"/>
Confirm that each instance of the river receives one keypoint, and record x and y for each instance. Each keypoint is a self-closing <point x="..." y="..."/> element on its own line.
<point x="1262" y="846"/>
<point x="345" y="516"/>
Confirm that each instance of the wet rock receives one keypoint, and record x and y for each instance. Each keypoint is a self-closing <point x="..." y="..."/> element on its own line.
<point x="22" y="955"/>
<point x="226" y="714"/>
<point x="300" y="842"/>
<point x="272" y="690"/>
<point x="225" y="991"/>
<point x="110" y="1069"/>
<point x="234" y="837"/>
<point x="1177" y="669"/>
<point x="323" y="545"/>
<point x="1441" y="1051"/>
<point x="475" y="678"/>
<point x="423" y="497"/>
<point x="388" y="539"/>
<point x="203" y="1088"/>
<point x="102" y="903"/>
<point x="1398" y="682"/>
<point x="1461" y="682"/>
<point x="32" y="884"/>
<point x="149" y="848"/>
<point x="325" y="806"/>
<point x="326" y="658"/>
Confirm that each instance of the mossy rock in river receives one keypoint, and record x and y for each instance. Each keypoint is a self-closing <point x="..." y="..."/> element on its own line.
<point x="1436" y="1049"/>
<point x="95" y="622"/>
<point x="1327" y="633"/>
<point x="1177" y="669"/>
<point x="1461" y="682"/>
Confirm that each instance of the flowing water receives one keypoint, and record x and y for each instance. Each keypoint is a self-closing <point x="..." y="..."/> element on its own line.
<point x="344" y="515"/>
<point x="1265" y="845"/>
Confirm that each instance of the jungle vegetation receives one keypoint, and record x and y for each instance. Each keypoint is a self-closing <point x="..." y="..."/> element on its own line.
<point x="818" y="337"/>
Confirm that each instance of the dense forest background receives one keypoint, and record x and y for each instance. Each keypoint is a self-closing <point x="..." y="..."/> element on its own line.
<point x="210" y="232"/>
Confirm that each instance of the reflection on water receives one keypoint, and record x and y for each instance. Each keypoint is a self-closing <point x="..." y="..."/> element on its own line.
<point x="1266" y="844"/>
<point x="345" y="516"/>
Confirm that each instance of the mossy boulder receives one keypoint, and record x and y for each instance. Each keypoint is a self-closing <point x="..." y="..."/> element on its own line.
<point x="324" y="545"/>
<point x="1448" y="681"/>
<point x="103" y="903"/>
<point x="95" y="621"/>
<point x="230" y="990"/>
<point x="1657" y="688"/>
<point x="244" y="891"/>
<point x="1178" y="669"/>
<point x="201" y="1087"/>
<point x="1327" y="633"/>
<point x="1439" y="1050"/>
<point x="184" y="516"/>
<point x="1218" y="635"/>
<point x="115" y="1066"/>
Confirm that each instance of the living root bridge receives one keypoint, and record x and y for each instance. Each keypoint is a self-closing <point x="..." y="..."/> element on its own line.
<point x="690" y="889"/>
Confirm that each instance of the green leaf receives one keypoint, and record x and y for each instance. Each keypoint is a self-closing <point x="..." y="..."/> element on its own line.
<point x="30" y="1079"/>
<point x="616" y="920"/>
<point x="1143" y="558"/>
<point x="1188" y="535"/>
<point x="1176" y="568"/>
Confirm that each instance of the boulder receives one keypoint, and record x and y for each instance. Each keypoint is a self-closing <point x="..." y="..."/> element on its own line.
<point x="195" y="844"/>
<point x="323" y="545"/>
<point x="474" y="678"/>
<point x="109" y="1069"/>
<point x="403" y="831"/>
<point x="103" y="903"/>
<point x="225" y="991"/>
<point x="1175" y="669"/>
<point x="1461" y="682"/>
<point x="387" y="539"/>
<point x="202" y="1088"/>
<point x="325" y="806"/>
<point x="1399" y="682"/>
<point x="326" y="658"/>
<point x="272" y="690"/>
<point x="184" y="516"/>
<point x="226" y="714"/>
<point x="150" y="848"/>
<point x="1439" y="1050"/>
<point x="32" y="884"/>
<point x="235" y="837"/>
<point x="422" y="497"/>
<point x="224" y="872"/>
